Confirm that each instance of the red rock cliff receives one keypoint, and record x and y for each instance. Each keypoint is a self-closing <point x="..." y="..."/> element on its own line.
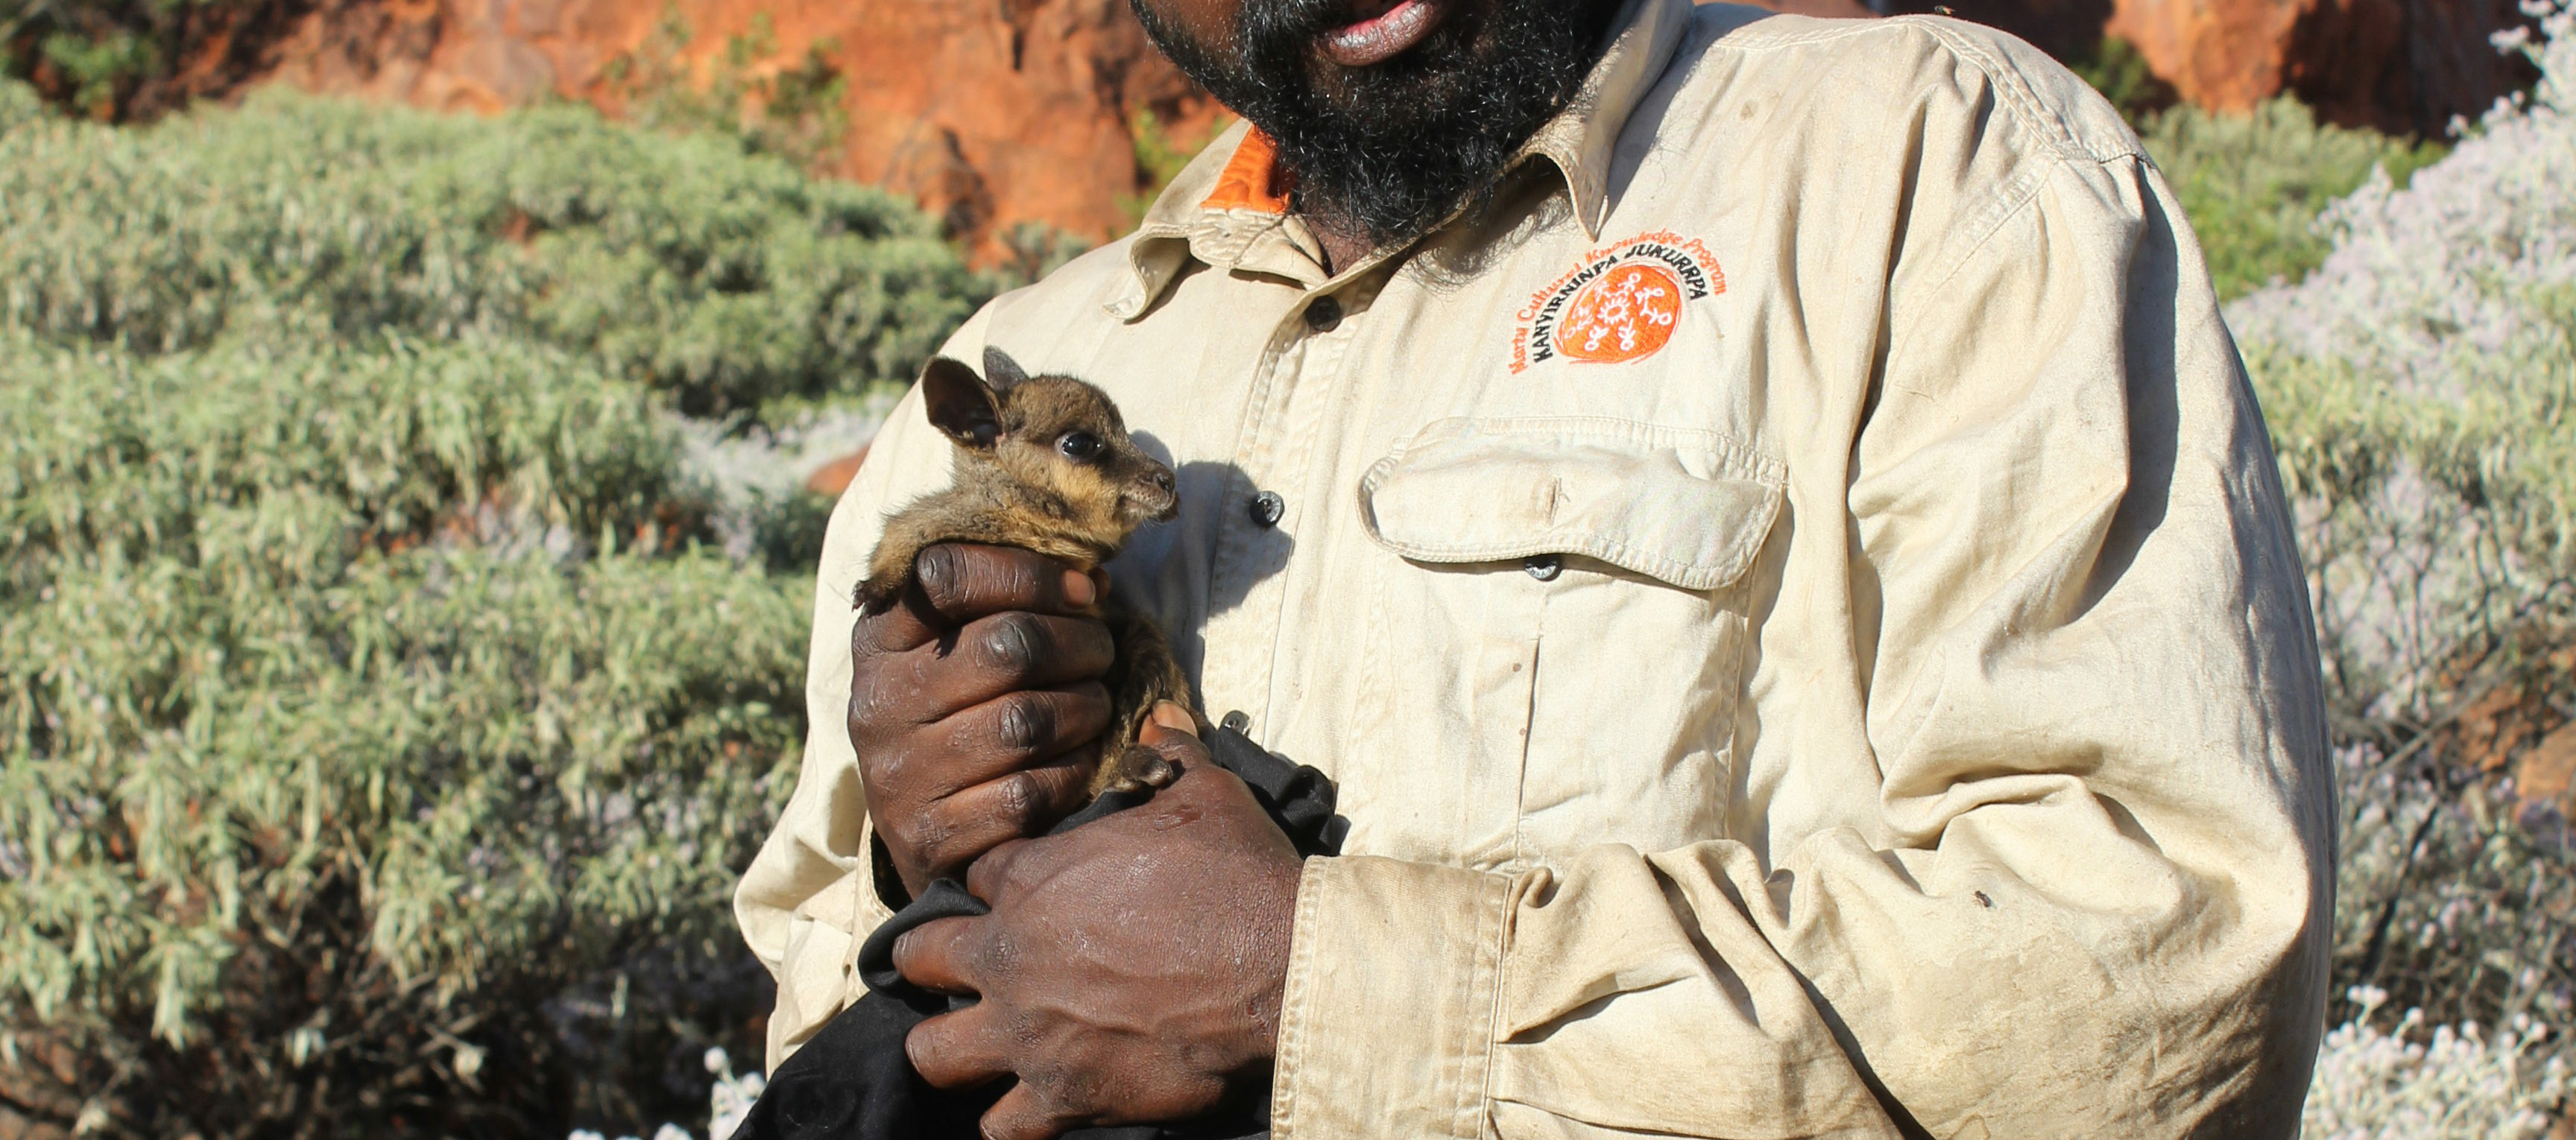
<point x="988" y="113"/>
<point x="2399" y="65"/>
<point x="1015" y="110"/>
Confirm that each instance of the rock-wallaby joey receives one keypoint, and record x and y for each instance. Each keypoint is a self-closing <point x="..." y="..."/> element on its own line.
<point x="1044" y="463"/>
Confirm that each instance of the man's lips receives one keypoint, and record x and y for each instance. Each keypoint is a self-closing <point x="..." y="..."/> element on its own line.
<point x="1383" y="36"/>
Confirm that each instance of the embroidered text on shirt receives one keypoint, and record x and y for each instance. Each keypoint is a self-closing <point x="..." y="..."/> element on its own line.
<point x="1621" y="304"/>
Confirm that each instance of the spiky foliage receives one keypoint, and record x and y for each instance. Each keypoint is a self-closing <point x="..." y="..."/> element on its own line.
<point x="380" y="730"/>
<point x="725" y="280"/>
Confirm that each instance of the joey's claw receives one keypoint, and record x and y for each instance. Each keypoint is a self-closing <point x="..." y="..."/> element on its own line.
<point x="875" y="595"/>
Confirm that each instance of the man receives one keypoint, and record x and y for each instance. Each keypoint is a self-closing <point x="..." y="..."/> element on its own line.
<point x="1763" y="521"/>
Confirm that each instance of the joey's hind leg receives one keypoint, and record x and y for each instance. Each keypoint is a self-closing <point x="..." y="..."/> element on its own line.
<point x="1144" y="675"/>
<point x="1131" y="768"/>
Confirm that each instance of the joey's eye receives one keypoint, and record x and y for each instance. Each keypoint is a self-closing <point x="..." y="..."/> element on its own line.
<point x="1079" y="446"/>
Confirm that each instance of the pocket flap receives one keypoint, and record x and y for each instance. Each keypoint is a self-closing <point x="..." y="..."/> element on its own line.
<point x="1691" y="508"/>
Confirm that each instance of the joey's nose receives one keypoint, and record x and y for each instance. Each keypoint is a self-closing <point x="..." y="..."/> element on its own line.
<point x="1150" y="494"/>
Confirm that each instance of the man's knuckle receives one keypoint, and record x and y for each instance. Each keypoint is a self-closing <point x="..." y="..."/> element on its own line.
<point x="881" y="768"/>
<point x="1018" y="799"/>
<point x="997" y="957"/>
<point x="1011" y="643"/>
<point x="867" y="713"/>
<point x="881" y="701"/>
<point x="1025" y="723"/>
<point x="940" y="569"/>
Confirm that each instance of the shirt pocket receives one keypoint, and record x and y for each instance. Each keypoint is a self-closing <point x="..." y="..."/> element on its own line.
<point x="1557" y="635"/>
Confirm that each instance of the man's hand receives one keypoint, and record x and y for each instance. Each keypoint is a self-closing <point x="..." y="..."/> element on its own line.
<point x="1132" y="968"/>
<point x="976" y="705"/>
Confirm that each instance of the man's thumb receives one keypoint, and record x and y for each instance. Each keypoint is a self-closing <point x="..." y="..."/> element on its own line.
<point x="1167" y="718"/>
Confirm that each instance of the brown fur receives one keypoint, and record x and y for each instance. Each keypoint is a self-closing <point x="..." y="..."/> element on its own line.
<point x="1017" y="485"/>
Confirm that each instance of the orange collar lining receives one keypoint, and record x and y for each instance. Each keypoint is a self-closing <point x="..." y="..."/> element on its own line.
<point x="1249" y="181"/>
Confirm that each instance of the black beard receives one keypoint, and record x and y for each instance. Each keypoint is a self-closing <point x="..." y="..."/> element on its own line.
<point x="1388" y="151"/>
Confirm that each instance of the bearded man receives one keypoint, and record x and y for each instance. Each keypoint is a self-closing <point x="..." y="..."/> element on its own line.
<point x="1762" y="520"/>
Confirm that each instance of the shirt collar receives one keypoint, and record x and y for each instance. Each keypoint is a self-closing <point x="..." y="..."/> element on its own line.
<point x="1580" y="139"/>
<point x="1229" y="197"/>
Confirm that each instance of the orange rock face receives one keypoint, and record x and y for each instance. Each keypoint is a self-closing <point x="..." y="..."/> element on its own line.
<point x="988" y="114"/>
<point x="2393" y="64"/>
<point x="2399" y="65"/>
<point x="991" y="114"/>
<point x="2226" y="55"/>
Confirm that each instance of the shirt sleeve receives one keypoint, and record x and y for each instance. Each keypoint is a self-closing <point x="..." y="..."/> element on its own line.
<point x="809" y="897"/>
<point x="2096" y="899"/>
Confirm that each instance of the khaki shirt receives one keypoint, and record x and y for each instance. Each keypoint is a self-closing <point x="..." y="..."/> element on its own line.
<point x="1795" y="594"/>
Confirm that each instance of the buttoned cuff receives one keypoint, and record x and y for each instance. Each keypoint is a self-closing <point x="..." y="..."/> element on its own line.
<point x="1387" y="1023"/>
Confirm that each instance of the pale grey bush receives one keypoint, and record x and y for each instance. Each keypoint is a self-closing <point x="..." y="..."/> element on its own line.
<point x="2418" y="384"/>
<point x="2419" y="387"/>
<point x="2451" y="1083"/>
<point x="753" y="476"/>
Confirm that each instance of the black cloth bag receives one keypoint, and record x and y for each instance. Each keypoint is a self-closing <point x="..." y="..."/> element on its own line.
<point x="853" y="1081"/>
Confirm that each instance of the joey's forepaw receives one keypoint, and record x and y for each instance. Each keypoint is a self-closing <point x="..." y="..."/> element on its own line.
<point x="876" y="594"/>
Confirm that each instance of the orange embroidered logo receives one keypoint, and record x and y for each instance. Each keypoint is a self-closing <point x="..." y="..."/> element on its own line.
<point x="1622" y="316"/>
<point x="1623" y="303"/>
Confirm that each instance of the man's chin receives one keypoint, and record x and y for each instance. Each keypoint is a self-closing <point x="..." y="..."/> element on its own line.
<point x="1388" y="148"/>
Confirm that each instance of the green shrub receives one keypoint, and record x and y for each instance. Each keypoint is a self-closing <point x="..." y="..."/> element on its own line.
<point x="327" y="748"/>
<point x="114" y="455"/>
<point x="2120" y="73"/>
<point x="381" y="731"/>
<point x="2253" y="185"/>
<point x="724" y="279"/>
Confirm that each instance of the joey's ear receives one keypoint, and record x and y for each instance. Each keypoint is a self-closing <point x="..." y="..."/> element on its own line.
<point x="960" y="403"/>
<point x="1001" y="371"/>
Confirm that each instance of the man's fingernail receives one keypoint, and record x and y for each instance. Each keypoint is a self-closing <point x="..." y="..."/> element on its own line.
<point x="1175" y="717"/>
<point x="1079" y="589"/>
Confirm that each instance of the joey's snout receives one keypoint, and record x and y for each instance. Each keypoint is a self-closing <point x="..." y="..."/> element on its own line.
<point x="1153" y="494"/>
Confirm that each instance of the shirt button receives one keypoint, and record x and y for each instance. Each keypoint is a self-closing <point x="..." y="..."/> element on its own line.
<point x="1236" y="721"/>
<point x="1543" y="567"/>
<point x="1324" y="314"/>
<point x="1266" y="509"/>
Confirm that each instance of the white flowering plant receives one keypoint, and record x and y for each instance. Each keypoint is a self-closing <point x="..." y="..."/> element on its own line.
<point x="2418" y="386"/>
<point x="2451" y="1083"/>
